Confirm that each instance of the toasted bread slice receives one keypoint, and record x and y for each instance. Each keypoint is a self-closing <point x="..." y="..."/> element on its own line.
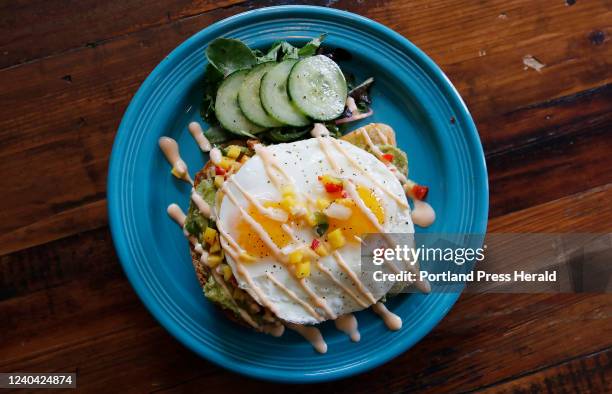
<point x="380" y="134"/>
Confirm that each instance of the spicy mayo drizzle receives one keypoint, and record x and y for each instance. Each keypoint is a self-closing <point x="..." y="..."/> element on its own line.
<point x="171" y="151"/>
<point x="198" y="135"/>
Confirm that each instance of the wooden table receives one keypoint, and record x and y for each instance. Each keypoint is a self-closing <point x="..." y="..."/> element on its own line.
<point x="68" y="69"/>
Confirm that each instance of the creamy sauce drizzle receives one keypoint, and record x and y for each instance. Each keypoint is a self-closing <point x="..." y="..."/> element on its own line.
<point x="348" y="325"/>
<point x="342" y="264"/>
<point x="176" y="213"/>
<point x="381" y="135"/>
<point x="261" y="232"/>
<point x="198" y="135"/>
<point x="171" y="151"/>
<point x="312" y="335"/>
<point x="341" y="149"/>
<point x="392" y="321"/>
<point x="319" y="302"/>
<point x="423" y="214"/>
<point x="294" y="297"/>
<point x="215" y="156"/>
<point x="275" y="214"/>
<point x="202" y="205"/>
<point x="270" y="164"/>
<point x="348" y="291"/>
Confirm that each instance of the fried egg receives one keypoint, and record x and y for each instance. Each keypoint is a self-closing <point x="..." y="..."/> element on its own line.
<point x="329" y="289"/>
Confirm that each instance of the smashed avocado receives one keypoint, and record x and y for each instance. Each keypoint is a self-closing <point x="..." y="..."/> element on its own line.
<point x="214" y="292"/>
<point x="196" y="223"/>
<point x="400" y="159"/>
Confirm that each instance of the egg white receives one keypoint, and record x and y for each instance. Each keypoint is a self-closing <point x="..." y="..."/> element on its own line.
<point x="304" y="161"/>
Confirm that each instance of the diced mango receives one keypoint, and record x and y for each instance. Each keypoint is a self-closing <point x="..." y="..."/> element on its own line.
<point x="227" y="272"/>
<point x="226" y="163"/>
<point x="215" y="247"/>
<point x="296" y="256"/>
<point x="244" y="159"/>
<point x="321" y="250"/>
<point x="233" y="151"/>
<point x="336" y="239"/>
<point x="177" y="173"/>
<point x="247" y="258"/>
<point x="210" y="235"/>
<point x="213" y="260"/>
<point x="302" y="270"/>
<point x="219" y="179"/>
<point x="322" y="203"/>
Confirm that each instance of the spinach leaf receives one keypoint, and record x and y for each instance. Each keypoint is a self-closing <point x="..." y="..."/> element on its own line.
<point x="228" y="55"/>
<point x="217" y="134"/>
<point x="287" y="134"/>
<point x="212" y="80"/>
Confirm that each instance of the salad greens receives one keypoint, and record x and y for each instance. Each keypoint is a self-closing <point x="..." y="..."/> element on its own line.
<point x="227" y="55"/>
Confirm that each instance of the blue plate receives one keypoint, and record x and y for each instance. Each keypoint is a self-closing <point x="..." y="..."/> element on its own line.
<point x="411" y="94"/>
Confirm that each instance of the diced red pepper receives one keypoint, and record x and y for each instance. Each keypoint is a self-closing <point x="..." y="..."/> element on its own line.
<point x="333" y="188"/>
<point x="420" y="192"/>
<point x="344" y="194"/>
<point x="388" y="157"/>
<point x="219" y="171"/>
<point x="331" y="184"/>
<point x="315" y="244"/>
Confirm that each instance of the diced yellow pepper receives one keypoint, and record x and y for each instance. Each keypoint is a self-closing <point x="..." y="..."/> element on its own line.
<point x="321" y="250"/>
<point x="215" y="247"/>
<point x="244" y="159"/>
<point x="227" y="272"/>
<point x="302" y="270"/>
<point x="296" y="256"/>
<point x="322" y="203"/>
<point x="226" y="163"/>
<point x="213" y="260"/>
<point x="336" y="239"/>
<point x="247" y="258"/>
<point x="219" y="179"/>
<point x="210" y="235"/>
<point x="177" y="173"/>
<point x="233" y="151"/>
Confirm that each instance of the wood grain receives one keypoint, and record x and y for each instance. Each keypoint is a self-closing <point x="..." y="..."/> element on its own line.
<point x="70" y="141"/>
<point x="67" y="72"/>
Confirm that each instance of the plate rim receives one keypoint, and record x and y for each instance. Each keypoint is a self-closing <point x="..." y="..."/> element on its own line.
<point x="440" y="80"/>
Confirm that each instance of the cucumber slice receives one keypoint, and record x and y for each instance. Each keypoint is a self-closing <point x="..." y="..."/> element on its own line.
<point x="248" y="97"/>
<point x="274" y="97"/>
<point x="318" y="88"/>
<point x="226" y="106"/>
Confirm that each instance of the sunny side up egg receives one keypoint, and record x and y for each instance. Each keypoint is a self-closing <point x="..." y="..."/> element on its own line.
<point x="329" y="290"/>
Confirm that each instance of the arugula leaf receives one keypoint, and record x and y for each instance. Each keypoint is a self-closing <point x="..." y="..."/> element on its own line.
<point x="228" y="55"/>
<point x="311" y="47"/>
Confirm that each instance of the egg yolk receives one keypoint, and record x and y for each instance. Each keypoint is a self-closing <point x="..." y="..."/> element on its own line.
<point x="250" y="240"/>
<point x="358" y="223"/>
